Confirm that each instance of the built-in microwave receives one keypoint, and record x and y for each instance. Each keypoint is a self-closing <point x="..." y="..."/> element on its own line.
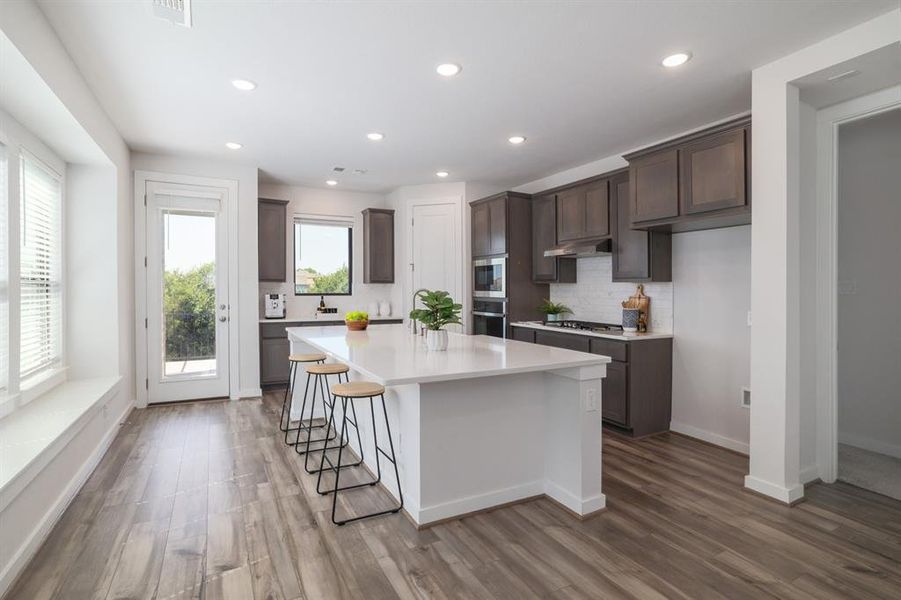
<point x="489" y="278"/>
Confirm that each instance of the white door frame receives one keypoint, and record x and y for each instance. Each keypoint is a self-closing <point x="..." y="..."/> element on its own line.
<point x="140" y="229"/>
<point x="457" y="202"/>
<point x="828" y="121"/>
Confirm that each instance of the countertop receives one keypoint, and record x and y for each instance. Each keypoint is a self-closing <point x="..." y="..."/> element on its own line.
<point x="624" y="337"/>
<point x="391" y="355"/>
<point x="338" y="317"/>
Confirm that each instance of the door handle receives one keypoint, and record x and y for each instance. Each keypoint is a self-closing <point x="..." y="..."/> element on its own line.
<point x="222" y="318"/>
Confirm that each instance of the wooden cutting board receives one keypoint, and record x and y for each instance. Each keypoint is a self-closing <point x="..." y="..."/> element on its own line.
<point x="640" y="301"/>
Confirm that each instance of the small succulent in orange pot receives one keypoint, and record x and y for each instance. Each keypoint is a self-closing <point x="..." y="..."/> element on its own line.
<point x="357" y="320"/>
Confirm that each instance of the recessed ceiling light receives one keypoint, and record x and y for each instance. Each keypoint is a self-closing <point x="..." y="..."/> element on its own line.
<point x="442" y="173"/>
<point x="448" y="69"/>
<point x="233" y="145"/>
<point x="245" y="85"/>
<point x="516" y="139"/>
<point x="331" y="182"/>
<point x="675" y="60"/>
<point x="375" y="136"/>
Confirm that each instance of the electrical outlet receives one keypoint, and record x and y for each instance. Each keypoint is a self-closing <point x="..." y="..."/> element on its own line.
<point x="745" y="397"/>
<point x="749" y="318"/>
<point x="591" y="401"/>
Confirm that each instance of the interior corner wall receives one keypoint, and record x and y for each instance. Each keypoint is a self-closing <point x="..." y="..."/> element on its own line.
<point x="776" y="382"/>
<point x="248" y="268"/>
<point x="869" y="283"/>
<point x="92" y="342"/>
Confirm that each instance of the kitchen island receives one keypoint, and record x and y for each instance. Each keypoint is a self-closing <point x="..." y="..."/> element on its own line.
<point x="485" y="423"/>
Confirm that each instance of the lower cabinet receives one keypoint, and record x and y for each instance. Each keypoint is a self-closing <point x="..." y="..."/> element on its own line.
<point x="636" y="395"/>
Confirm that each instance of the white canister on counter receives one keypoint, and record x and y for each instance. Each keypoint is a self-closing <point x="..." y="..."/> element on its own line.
<point x="373" y="309"/>
<point x="385" y="308"/>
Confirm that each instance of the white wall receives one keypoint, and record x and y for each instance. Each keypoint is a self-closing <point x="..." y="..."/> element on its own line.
<point x="712" y="343"/>
<point x="776" y="378"/>
<point x="248" y="297"/>
<point x="869" y="323"/>
<point x="334" y="203"/>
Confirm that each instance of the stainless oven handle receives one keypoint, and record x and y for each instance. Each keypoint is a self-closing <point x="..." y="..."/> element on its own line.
<point x="480" y="313"/>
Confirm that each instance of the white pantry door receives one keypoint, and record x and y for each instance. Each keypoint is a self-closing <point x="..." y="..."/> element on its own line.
<point x="435" y="249"/>
<point x="187" y="292"/>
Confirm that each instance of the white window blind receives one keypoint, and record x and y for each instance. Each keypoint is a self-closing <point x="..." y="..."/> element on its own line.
<point x="4" y="271"/>
<point x="40" y="247"/>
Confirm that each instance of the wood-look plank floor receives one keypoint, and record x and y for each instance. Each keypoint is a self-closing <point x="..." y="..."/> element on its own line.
<point x="203" y="500"/>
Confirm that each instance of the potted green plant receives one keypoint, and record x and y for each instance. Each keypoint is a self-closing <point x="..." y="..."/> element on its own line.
<point x="356" y="320"/>
<point x="553" y="311"/>
<point x="439" y="310"/>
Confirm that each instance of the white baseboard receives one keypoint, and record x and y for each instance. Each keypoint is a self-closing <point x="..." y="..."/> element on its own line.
<point x="787" y="495"/>
<point x="470" y="504"/>
<point x="248" y="393"/>
<point x="870" y="444"/>
<point x="709" y="436"/>
<point x="809" y="473"/>
<point x="39" y="534"/>
<point x="573" y="503"/>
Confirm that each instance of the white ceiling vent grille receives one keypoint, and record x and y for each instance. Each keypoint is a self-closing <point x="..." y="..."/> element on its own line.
<point x="174" y="11"/>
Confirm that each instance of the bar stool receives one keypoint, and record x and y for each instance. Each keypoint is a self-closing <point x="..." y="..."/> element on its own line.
<point x="293" y="361"/>
<point x="321" y="373"/>
<point x="347" y="392"/>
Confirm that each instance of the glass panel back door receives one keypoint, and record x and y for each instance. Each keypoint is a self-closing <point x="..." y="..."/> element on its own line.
<point x="187" y="292"/>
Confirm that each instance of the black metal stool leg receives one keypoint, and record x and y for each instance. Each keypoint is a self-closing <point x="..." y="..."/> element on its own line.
<point x="289" y="391"/>
<point x="303" y="405"/>
<point x="343" y="442"/>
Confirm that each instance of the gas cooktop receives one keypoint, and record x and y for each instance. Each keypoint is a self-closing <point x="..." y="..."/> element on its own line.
<point x="586" y="326"/>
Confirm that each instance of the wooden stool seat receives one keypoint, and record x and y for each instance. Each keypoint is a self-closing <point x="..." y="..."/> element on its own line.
<point x="302" y="358"/>
<point x="357" y="389"/>
<point x="328" y="369"/>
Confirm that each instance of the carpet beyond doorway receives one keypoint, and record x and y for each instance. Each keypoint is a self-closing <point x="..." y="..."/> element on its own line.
<point x="870" y="470"/>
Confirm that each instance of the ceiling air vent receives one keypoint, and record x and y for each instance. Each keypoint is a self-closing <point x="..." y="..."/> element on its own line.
<point x="174" y="11"/>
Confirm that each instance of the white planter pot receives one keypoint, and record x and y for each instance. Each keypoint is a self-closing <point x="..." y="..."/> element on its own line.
<point x="436" y="340"/>
<point x="551" y="318"/>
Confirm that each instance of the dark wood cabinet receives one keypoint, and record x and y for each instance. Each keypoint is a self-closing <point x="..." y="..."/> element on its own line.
<point x="615" y="394"/>
<point x="638" y="255"/>
<point x="654" y="187"/>
<point x="583" y="212"/>
<point x="489" y="227"/>
<point x="568" y="341"/>
<point x="636" y="395"/>
<point x="378" y="245"/>
<point x="544" y="236"/>
<point x="713" y="173"/>
<point x="700" y="181"/>
<point x="272" y="231"/>
<point x="523" y="334"/>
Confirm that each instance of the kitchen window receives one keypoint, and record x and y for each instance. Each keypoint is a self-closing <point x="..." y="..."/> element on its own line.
<point x="40" y="269"/>
<point x="323" y="256"/>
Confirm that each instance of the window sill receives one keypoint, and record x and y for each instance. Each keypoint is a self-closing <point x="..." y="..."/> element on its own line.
<point x="32" y="436"/>
<point x="40" y="384"/>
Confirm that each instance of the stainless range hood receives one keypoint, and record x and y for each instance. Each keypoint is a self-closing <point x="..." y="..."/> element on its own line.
<point x="582" y="248"/>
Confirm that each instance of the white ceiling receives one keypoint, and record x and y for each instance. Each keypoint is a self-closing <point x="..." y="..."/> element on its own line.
<point x="580" y="79"/>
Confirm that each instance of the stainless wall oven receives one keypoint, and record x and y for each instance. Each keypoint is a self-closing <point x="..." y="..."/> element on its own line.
<point x="489" y="317"/>
<point x="489" y="278"/>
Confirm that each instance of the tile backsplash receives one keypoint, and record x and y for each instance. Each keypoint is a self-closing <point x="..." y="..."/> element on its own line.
<point x="596" y="297"/>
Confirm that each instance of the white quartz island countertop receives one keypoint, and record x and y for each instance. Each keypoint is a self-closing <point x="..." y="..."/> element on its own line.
<point x="391" y="355"/>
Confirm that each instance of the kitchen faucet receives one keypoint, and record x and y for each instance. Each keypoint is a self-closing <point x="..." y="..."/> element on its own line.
<point x="414" y="322"/>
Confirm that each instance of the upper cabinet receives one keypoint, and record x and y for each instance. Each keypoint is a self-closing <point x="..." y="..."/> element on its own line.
<point x="378" y="245"/>
<point x="697" y="182"/>
<point x="489" y="227"/>
<point x="544" y="236"/>
<point x="272" y="231"/>
<point x="637" y="255"/>
<point x="583" y="212"/>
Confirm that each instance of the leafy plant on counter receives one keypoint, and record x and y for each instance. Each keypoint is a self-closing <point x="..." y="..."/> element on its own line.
<point x="554" y="308"/>
<point x="440" y="309"/>
<point x="356" y="315"/>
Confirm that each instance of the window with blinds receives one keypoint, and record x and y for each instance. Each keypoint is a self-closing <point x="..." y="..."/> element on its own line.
<point x="40" y="247"/>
